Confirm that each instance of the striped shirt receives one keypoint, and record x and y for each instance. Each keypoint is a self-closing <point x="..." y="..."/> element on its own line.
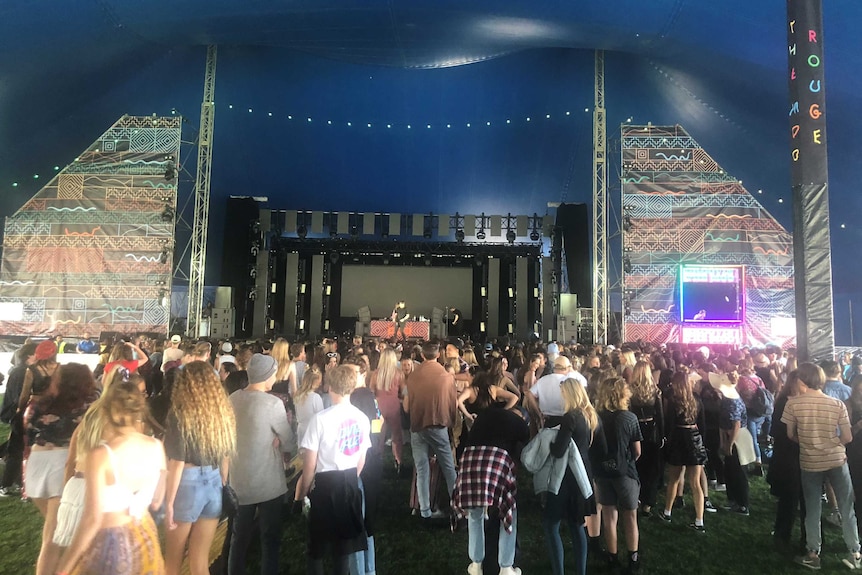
<point x="819" y="421"/>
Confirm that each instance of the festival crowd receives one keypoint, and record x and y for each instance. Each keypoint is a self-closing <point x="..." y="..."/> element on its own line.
<point x="175" y="436"/>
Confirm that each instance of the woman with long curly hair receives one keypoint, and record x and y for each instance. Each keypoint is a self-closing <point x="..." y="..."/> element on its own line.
<point x="200" y="439"/>
<point x="617" y="480"/>
<point x="685" y="450"/>
<point x="124" y="475"/>
<point x="581" y="425"/>
<point x="387" y="383"/>
<point x="49" y="424"/>
<point x="646" y="405"/>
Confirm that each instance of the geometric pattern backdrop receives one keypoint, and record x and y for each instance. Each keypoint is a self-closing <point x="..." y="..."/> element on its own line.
<point x="92" y="251"/>
<point x="681" y="207"/>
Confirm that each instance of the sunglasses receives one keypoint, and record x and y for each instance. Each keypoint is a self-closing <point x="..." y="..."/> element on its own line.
<point x="331" y="354"/>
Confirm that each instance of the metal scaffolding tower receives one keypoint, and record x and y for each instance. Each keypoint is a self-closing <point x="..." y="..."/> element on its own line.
<point x="202" y="199"/>
<point x="600" y="213"/>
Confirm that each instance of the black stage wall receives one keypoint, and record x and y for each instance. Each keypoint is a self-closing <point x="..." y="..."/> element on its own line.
<point x="573" y="222"/>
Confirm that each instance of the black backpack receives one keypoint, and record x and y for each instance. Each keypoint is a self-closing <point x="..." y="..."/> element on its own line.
<point x="614" y="463"/>
<point x="762" y="403"/>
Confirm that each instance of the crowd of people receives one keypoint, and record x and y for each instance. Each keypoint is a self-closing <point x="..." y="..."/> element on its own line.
<point x="177" y="435"/>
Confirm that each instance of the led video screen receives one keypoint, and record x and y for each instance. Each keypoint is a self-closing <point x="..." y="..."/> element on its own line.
<point x="712" y="294"/>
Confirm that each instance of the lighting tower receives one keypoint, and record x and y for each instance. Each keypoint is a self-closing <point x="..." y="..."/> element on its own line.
<point x="202" y="198"/>
<point x="600" y="214"/>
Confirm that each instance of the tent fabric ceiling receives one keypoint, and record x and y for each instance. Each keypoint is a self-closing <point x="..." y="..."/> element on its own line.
<point x="69" y="69"/>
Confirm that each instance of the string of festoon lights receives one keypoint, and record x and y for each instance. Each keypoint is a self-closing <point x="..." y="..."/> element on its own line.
<point x="487" y="123"/>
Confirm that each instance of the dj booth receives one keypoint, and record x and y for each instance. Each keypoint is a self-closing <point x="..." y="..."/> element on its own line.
<point x="412" y="329"/>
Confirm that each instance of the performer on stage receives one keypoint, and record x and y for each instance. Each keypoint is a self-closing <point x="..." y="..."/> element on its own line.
<point x="701" y="315"/>
<point x="456" y="323"/>
<point x="400" y="316"/>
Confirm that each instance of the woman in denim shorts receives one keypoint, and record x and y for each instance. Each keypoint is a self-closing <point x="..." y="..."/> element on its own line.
<point x="200" y="438"/>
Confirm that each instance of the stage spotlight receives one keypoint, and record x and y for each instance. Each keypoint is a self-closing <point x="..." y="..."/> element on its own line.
<point x="534" y="236"/>
<point x="459" y="235"/>
<point x="333" y="257"/>
<point x="480" y="235"/>
<point x="510" y="236"/>
<point x="302" y="232"/>
<point x="385" y="259"/>
<point x="170" y="171"/>
<point x="627" y="265"/>
<point x="427" y="259"/>
<point x="252" y="272"/>
<point x="627" y="223"/>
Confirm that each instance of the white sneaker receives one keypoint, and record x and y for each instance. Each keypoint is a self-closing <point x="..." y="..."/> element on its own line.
<point x="510" y="571"/>
<point x="474" y="569"/>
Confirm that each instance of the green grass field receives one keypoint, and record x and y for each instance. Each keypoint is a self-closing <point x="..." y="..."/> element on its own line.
<point x="732" y="544"/>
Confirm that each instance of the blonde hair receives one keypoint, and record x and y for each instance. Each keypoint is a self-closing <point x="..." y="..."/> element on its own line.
<point x="388" y="370"/>
<point x="644" y="389"/>
<point x="204" y="414"/>
<point x="121" y="404"/>
<point x="311" y="379"/>
<point x="281" y="354"/>
<point x="575" y="398"/>
<point x="470" y="356"/>
<point x="342" y="380"/>
<point x="627" y="359"/>
<point x="613" y="395"/>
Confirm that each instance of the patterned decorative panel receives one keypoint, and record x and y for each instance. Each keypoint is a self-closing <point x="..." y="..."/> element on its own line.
<point x="681" y="207"/>
<point x="91" y="251"/>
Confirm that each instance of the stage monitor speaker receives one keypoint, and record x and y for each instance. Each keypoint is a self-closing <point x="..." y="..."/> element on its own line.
<point x="436" y="315"/>
<point x="364" y="314"/>
<point x="362" y="329"/>
<point x="568" y="305"/>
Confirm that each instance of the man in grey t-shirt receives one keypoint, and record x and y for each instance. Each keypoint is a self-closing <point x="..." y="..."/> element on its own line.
<point x="257" y="471"/>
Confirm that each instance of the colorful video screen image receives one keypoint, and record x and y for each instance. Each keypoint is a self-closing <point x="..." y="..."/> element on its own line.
<point x="712" y="294"/>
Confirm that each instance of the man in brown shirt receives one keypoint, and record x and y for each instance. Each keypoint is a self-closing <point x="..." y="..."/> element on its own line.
<point x="820" y="425"/>
<point x="433" y="406"/>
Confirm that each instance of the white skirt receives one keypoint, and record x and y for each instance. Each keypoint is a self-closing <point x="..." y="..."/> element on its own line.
<point x="43" y="475"/>
<point x="70" y="511"/>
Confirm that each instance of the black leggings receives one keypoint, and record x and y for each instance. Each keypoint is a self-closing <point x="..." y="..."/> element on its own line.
<point x="737" y="480"/>
<point x="649" y="466"/>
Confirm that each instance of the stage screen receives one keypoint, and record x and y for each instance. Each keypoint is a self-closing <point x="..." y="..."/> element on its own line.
<point x="423" y="288"/>
<point x="711" y="294"/>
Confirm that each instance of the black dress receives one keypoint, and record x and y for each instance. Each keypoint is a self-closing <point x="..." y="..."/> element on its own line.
<point x="570" y="503"/>
<point x="685" y="444"/>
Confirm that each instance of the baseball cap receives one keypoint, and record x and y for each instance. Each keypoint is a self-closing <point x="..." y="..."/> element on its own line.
<point x="553" y="348"/>
<point x="227" y="347"/>
<point x="176" y="338"/>
<point x="489" y="346"/>
<point x="46" y="350"/>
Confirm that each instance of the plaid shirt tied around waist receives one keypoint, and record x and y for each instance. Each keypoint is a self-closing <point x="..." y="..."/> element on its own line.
<point x="486" y="478"/>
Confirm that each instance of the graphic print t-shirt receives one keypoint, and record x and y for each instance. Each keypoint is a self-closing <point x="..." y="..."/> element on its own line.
<point x="340" y="435"/>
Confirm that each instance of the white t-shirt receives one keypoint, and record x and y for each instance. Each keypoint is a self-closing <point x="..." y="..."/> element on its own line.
<point x="340" y="435"/>
<point x="547" y="391"/>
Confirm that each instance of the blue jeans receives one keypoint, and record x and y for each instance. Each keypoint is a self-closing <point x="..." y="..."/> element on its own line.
<point x="812" y="484"/>
<point x="199" y="494"/>
<point x="436" y="440"/>
<point x="754" y="425"/>
<point x="555" y="544"/>
<point x="363" y="562"/>
<point x="476" y="545"/>
<point x="270" y="536"/>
